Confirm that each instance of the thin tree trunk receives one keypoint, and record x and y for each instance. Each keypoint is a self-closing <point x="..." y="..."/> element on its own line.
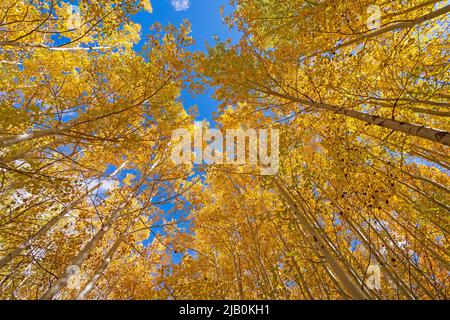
<point x="22" y="155"/>
<point x="84" y="253"/>
<point x="43" y="46"/>
<point x="321" y="246"/>
<point x="415" y="101"/>
<point x="7" y="142"/>
<point x="104" y="265"/>
<point x="101" y="268"/>
<point x="287" y="249"/>
<point x="26" y="244"/>
<point x="445" y="114"/>
<point x="393" y="27"/>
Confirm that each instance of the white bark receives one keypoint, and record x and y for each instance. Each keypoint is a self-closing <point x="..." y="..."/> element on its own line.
<point x="84" y="253"/>
<point x="393" y="27"/>
<point x="7" y="142"/>
<point x="26" y="244"/>
<point x="99" y="271"/>
<point x="322" y="248"/>
<point x="424" y="132"/>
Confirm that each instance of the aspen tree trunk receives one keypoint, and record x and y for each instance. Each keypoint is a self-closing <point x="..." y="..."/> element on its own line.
<point x="411" y="100"/>
<point x="349" y="269"/>
<point x="415" y="151"/>
<point x="392" y="27"/>
<point x="105" y="263"/>
<point x="42" y="46"/>
<point x="413" y="176"/>
<point x="22" y="155"/>
<point x="99" y="271"/>
<point x="321" y="246"/>
<point x="406" y="290"/>
<point x="394" y="277"/>
<point x="287" y="249"/>
<point x="260" y="266"/>
<point x="26" y="244"/>
<point x="419" y="6"/>
<point x="84" y="253"/>
<point x="8" y="142"/>
<point x="431" y="134"/>
<point x="397" y="26"/>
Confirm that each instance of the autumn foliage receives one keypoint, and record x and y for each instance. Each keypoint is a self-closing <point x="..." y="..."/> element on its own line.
<point x="87" y="184"/>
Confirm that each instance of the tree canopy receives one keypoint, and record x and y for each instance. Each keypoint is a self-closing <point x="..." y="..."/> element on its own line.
<point x="359" y="208"/>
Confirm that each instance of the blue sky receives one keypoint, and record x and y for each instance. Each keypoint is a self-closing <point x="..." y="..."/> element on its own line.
<point x="206" y="22"/>
<point x="204" y="16"/>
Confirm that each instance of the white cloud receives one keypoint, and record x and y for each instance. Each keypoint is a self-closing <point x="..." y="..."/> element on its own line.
<point x="101" y="188"/>
<point x="107" y="185"/>
<point x="103" y="185"/>
<point x="180" y="5"/>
